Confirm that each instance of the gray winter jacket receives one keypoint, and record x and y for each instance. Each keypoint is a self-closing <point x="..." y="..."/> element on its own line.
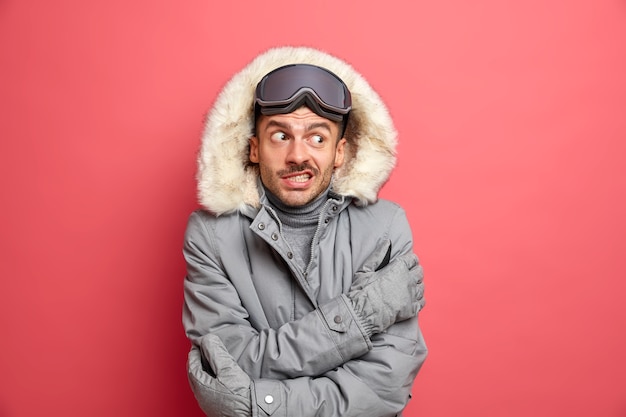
<point x="289" y="326"/>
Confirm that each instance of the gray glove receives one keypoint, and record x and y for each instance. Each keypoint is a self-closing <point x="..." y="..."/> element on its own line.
<point x="221" y="387"/>
<point x="384" y="293"/>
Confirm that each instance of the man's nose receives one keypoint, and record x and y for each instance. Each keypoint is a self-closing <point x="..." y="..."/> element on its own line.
<point x="297" y="152"/>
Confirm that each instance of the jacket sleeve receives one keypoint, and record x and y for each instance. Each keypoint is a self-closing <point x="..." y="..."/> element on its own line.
<point x="377" y="384"/>
<point x="213" y="305"/>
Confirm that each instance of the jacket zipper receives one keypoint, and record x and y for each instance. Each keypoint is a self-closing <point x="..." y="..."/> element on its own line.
<point x="323" y="217"/>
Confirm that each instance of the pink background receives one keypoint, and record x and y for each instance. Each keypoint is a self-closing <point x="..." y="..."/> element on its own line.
<point x="512" y="123"/>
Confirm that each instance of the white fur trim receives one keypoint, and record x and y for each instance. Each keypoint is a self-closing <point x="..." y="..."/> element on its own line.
<point x="226" y="180"/>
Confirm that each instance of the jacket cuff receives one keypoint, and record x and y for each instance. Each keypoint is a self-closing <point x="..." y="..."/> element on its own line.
<point x="347" y="331"/>
<point x="268" y="398"/>
<point x="357" y="306"/>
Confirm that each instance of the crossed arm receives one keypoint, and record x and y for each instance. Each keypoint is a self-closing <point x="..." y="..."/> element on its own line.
<point x="311" y="366"/>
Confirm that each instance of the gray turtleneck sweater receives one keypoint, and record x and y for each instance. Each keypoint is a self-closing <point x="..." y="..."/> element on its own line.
<point x="298" y="224"/>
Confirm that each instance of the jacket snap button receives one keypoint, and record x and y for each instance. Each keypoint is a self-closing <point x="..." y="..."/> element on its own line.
<point x="338" y="319"/>
<point x="274" y="236"/>
<point x="261" y="226"/>
<point x="269" y="399"/>
<point x="289" y="255"/>
<point x="334" y="208"/>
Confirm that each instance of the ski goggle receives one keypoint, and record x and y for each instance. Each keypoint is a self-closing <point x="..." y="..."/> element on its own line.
<point x="287" y="88"/>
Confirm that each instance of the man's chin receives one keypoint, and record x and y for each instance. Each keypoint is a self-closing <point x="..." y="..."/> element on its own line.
<point x="296" y="198"/>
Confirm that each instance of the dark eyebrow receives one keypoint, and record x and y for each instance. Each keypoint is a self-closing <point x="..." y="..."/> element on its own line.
<point x="274" y="123"/>
<point x="323" y="125"/>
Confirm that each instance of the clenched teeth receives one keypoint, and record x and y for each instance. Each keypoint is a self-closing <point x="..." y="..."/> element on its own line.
<point x="300" y="178"/>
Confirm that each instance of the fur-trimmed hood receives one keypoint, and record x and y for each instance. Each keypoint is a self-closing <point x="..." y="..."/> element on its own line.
<point x="228" y="182"/>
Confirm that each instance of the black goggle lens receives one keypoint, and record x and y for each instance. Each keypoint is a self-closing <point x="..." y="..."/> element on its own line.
<point x="283" y="85"/>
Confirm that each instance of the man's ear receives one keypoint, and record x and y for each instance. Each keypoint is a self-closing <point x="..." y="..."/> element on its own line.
<point x="254" y="149"/>
<point x="339" y="152"/>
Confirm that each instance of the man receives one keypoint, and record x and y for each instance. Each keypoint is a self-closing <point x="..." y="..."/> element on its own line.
<point x="302" y="290"/>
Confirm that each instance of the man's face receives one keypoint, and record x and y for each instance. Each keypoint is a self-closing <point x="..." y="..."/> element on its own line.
<point x="297" y="154"/>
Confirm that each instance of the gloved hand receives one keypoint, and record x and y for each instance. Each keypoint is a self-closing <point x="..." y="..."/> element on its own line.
<point x="383" y="294"/>
<point x="221" y="387"/>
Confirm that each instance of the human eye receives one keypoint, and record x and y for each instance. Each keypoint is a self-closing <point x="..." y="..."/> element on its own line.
<point x="317" y="140"/>
<point x="278" y="136"/>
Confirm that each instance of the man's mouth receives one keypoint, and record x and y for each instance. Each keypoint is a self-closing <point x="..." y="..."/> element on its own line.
<point x="300" y="178"/>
